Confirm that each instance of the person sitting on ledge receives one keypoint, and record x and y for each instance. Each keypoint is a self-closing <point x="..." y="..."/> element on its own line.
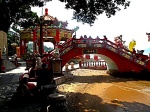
<point x="23" y="90"/>
<point x="44" y="76"/>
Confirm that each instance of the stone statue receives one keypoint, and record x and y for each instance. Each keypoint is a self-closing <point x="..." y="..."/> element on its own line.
<point x="4" y="50"/>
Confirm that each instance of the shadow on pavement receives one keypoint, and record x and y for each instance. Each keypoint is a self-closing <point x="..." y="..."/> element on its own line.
<point x="78" y="102"/>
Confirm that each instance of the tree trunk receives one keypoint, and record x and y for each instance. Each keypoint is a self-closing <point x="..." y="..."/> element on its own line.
<point x="4" y="25"/>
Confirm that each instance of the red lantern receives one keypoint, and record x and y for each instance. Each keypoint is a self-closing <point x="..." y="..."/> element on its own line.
<point x="87" y="56"/>
<point x="96" y="58"/>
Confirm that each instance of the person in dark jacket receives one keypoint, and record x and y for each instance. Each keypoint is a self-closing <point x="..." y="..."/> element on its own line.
<point x="23" y="89"/>
<point x="23" y="92"/>
<point x="44" y="76"/>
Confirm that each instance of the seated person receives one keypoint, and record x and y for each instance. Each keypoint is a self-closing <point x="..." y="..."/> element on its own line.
<point x="23" y="88"/>
<point x="44" y="76"/>
<point x="38" y="63"/>
<point x="31" y="73"/>
<point x="140" y="52"/>
<point x="134" y="51"/>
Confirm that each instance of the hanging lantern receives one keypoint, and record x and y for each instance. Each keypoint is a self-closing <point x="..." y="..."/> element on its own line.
<point x="87" y="56"/>
<point x="96" y="58"/>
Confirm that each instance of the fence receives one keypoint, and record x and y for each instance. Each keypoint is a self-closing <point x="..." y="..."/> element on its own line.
<point x="101" y="65"/>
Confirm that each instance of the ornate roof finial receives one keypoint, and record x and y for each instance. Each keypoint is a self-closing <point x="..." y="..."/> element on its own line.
<point x="46" y="11"/>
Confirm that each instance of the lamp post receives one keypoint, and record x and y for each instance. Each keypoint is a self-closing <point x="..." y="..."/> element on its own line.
<point x="41" y="35"/>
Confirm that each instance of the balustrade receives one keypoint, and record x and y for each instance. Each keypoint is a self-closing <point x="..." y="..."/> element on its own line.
<point x="93" y="64"/>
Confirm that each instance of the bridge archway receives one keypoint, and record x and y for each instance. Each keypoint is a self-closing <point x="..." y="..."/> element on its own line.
<point x="117" y="58"/>
<point x="111" y="65"/>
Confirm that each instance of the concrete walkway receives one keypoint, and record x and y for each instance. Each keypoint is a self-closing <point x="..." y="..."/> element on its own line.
<point x="17" y="71"/>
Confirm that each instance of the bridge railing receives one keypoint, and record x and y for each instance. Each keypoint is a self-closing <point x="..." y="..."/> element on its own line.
<point x="124" y="52"/>
<point x="47" y="56"/>
<point x="66" y="47"/>
<point x="105" y="43"/>
<point x="93" y="64"/>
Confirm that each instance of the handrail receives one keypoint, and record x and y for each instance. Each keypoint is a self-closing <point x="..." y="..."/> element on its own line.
<point x="128" y="55"/>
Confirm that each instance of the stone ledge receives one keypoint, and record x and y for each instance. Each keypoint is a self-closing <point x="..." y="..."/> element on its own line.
<point x="61" y="79"/>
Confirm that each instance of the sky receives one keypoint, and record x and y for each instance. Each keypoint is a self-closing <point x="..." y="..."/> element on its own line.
<point x="131" y="23"/>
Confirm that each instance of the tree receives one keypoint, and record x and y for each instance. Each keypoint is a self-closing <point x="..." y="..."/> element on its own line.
<point x="18" y="12"/>
<point x="86" y="11"/>
<point x="12" y="37"/>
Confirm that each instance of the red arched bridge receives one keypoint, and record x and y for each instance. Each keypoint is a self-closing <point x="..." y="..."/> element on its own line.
<point x="117" y="58"/>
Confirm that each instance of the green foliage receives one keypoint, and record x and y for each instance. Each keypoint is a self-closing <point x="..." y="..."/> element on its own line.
<point x="12" y="37"/>
<point x="30" y="48"/>
<point x="86" y="11"/>
<point x="18" y="12"/>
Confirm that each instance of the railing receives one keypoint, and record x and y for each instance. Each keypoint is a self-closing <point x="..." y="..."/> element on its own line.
<point x="124" y="53"/>
<point x="48" y="56"/>
<point x="93" y="64"/>
<point x="66" y="47"/>
<point x="104" y="43"/>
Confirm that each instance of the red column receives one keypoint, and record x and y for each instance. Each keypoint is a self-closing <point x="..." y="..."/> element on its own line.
<point x="22" y="47"/>
<point x="34" y="41"/>
<point x="57" y="38"/>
